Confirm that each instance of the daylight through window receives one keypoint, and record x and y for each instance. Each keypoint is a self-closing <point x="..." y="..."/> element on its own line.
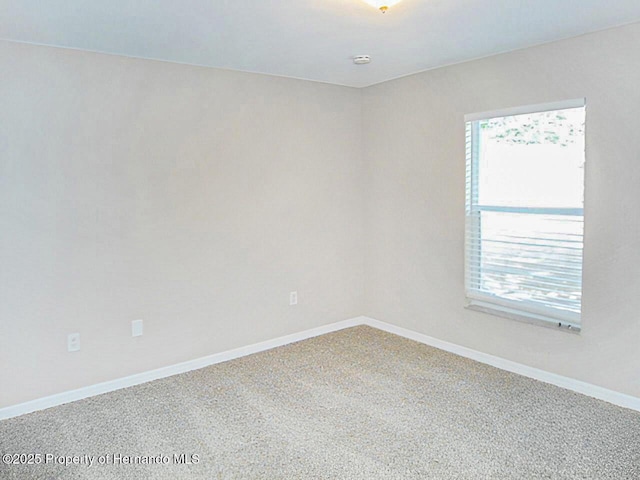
<point x="524" y="212"/>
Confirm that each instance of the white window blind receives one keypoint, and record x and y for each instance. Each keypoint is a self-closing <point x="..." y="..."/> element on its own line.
<point x="524" y="212"/>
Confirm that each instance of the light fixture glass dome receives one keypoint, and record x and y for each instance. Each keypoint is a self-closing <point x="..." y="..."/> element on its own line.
<point x="382" y="5"/>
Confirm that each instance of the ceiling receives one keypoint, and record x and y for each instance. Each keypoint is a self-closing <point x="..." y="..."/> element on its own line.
<point x="310" y="39"/>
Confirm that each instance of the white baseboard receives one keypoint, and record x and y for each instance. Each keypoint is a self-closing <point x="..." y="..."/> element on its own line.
<point x="584" y="388"/>
<point x="601" y="393"/>
<point x="137" y="379"/>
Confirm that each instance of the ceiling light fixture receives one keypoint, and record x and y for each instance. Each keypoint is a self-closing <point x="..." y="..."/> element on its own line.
<point x="382" y="5"/>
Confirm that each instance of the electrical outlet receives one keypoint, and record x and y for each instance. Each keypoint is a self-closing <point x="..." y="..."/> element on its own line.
<point x="293" y="298"/>
<point x="136" y="328"/>
<point x="73" y="342"/>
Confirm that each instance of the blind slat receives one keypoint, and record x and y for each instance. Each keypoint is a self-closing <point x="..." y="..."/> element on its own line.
<point x="520" y="282"/>
<point x="569" y="268"/>
<point x="534" y="271"/>
<point x="539" y="256"/>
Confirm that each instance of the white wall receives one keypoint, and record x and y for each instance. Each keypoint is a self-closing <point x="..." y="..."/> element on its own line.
<point x="197" y="198"/>
<point x="193" y="198"/>
<point x="414" y="145"/>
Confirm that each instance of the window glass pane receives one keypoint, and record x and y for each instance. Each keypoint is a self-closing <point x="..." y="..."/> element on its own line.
<point x="533" y="160"/>
<point x="532" y="258"/>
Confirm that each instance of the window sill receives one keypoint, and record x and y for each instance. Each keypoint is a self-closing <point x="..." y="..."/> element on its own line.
<point x="525" y="317"/>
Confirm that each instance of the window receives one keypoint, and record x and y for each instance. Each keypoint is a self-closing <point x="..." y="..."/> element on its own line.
<point x="524" y="213"/>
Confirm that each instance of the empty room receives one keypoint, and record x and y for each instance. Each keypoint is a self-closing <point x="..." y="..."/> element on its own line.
<point x="319" y="239"/>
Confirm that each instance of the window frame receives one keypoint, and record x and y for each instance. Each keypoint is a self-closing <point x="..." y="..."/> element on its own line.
<point x="493" y="304"/>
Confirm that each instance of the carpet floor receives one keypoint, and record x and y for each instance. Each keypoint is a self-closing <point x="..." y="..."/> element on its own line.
<point x="355" y="404"/>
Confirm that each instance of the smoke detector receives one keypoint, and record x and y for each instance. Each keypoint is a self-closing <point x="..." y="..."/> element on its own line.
<point x="362" y="59"/>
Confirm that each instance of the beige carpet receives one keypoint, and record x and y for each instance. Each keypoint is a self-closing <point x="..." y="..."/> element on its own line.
<point x="356" y="404"/>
